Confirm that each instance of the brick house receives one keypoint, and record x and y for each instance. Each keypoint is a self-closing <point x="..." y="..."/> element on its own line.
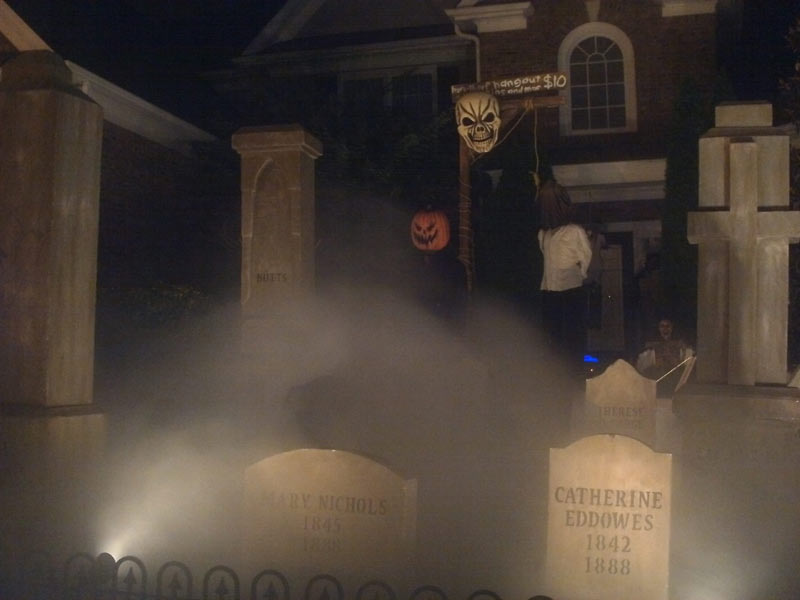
<point x="625" y="61"/>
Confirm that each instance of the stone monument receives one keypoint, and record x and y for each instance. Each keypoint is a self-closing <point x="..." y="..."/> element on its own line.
<point x="50" y="143"/>
<point x="277" y="185"/>
<point x="608" y="534"/>
<point x="739" y="420"/>
<point x="743" y="230"/>
<point x="314" y="511"/>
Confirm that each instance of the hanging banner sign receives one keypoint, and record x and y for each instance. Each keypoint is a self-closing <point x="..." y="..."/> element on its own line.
<point x="513" y="87"/>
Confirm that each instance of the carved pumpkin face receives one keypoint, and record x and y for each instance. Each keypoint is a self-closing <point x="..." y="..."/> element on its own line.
<point x="430" y="230"/>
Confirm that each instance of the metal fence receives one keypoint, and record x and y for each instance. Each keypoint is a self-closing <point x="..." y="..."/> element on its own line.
<point x="84" y="577"/>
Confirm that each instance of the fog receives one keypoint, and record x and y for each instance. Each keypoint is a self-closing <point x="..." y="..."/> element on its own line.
<point x="469" y="411"/>
<point x="470" y="414"/>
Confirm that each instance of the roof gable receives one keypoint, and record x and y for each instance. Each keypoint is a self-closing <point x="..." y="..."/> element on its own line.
<point x="17" y="32"/>
<point x="325" y="18"/>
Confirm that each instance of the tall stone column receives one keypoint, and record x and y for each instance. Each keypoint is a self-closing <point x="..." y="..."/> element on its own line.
<point x="50" y="433"/>
<point x="50" y="141"/>
<point x="277" y="181"/>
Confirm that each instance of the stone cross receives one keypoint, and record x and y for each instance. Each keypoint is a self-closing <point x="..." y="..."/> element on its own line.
<point x="743" y="230"/>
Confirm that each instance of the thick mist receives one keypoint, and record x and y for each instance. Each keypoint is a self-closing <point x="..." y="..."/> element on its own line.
<point x="467" y="408"/>
<point x="468" y="413"/>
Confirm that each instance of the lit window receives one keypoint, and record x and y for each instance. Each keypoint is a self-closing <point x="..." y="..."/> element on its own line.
<point x="601" y="95"/>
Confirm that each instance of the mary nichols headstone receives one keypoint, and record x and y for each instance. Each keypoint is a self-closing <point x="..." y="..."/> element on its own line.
<point x="313" y="511"/>
<point x="608" y="531"/>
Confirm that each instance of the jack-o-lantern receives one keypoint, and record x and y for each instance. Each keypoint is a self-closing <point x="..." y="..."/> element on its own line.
<point x="430" y="230"/>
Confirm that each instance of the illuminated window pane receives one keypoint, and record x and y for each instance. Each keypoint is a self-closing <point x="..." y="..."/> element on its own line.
<point x="597" y="96"/>
<point x="597" y="84"/>
<point x="579" y="97"/>
<point x="616" y="117"/>
<point x="580" y="119"/>
<point x="577" y="74"/>
<point x="598" y="118"/>
<point x="597" y="73"/>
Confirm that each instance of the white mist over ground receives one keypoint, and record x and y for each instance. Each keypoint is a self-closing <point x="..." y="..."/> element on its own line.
<point x="470" y="415"/>
<point x="364" y="367"/>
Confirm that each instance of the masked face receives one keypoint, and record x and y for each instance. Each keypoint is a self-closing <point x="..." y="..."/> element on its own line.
<point x="478" y="120"/>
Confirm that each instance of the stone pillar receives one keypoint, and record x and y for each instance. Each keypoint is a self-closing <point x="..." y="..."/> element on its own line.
<point x="50" y="140"/>
<point x="50" y="433"/>
<point x="743" y="239"/>
<point x="277" y="180"/>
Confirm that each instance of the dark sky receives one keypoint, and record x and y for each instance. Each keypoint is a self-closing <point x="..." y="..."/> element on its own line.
<point x="153" y="47"/>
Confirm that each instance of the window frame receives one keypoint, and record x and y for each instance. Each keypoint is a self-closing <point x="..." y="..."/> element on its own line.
<point x="387" y="75"/>
<point x="568" y="44"/>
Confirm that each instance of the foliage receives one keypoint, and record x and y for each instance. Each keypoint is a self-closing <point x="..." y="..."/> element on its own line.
<point x="154" y="305"/>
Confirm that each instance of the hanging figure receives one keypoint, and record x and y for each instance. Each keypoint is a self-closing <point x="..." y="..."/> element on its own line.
<point x="567" y="254"/>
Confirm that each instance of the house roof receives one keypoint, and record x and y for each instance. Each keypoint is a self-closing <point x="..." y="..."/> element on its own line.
<point x="308" y="19"/>
<point x="119" y="106"/>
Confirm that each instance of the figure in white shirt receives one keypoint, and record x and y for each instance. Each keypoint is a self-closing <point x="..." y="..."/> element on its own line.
<point x="567" y="253"/>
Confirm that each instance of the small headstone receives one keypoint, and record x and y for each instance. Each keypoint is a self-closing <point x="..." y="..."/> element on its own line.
<point x="608" y="534"/>
<point x="318" y="511"/>
<point x="621" y="401"/>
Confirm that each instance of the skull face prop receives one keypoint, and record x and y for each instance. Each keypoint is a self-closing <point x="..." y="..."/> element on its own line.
<point x="478" y="120"/>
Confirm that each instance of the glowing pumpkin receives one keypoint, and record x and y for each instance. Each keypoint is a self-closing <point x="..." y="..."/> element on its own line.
<point x="430" y="230"/>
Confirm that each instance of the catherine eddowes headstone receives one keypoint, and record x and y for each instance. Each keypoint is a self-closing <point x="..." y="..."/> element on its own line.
<point x="313" y="511"/>
<point x="608" y="534"/>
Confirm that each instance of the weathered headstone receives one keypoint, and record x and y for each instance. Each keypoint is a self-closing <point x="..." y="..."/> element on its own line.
<point x="743" y="248"/>
<point x="608" y="534"/>
<point x="312" y="511"/>
<point x="621" y="401"/>
<point x="50" y="143"/>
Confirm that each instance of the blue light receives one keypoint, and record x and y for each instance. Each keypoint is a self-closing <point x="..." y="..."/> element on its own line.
<point x="588" y="358"/>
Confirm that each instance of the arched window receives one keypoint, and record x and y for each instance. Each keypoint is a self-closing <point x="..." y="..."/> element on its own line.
<point x="601" y="96"/>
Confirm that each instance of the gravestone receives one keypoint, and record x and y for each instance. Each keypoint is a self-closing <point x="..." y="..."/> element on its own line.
<point x="315" y="511"/>
<point x="608" y="534"/>
<point x="743" y="230"/>
<point x="620" y="401"/>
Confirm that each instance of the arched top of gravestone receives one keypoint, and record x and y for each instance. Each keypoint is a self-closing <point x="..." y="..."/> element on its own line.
<point x="39" y="70"/>
<point x="621" y="384"/>
<point x="605" y="443"/>
<point x="324" y="462"/>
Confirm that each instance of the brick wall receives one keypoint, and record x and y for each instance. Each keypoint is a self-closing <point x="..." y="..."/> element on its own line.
<point x="665" y="51"/>
<point x="164" y="216"/>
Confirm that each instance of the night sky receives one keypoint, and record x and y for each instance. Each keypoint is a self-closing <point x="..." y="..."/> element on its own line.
<point x="154" y="48"/>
